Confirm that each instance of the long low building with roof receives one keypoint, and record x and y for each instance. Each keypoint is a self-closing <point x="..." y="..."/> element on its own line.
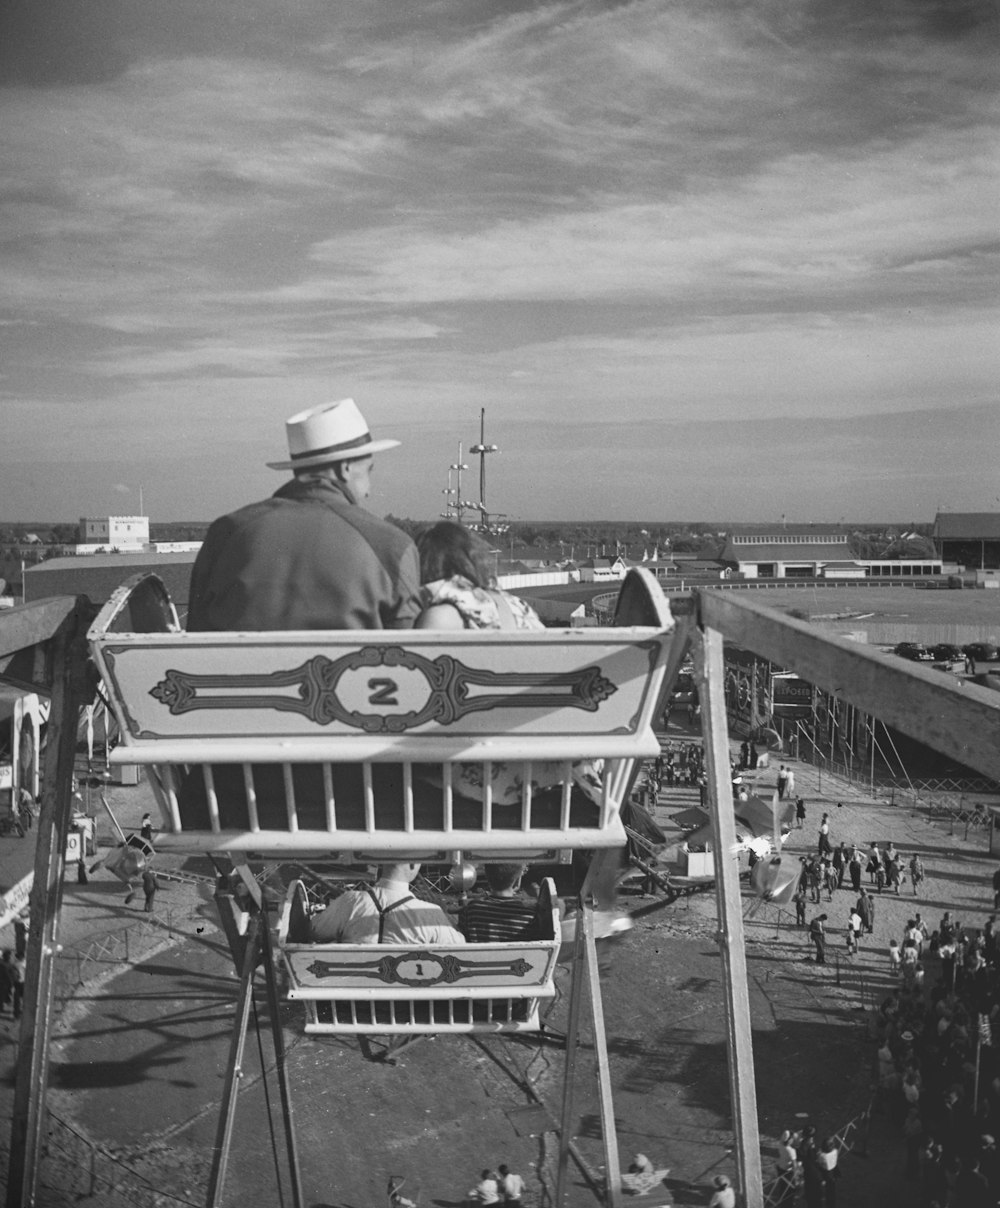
<point x="97" y="575"/>
<point x="971" y="539"/>
<point x="803" y="552"/>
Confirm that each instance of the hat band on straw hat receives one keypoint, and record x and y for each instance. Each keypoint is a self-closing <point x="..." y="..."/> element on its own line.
<point x="364" y="439"/>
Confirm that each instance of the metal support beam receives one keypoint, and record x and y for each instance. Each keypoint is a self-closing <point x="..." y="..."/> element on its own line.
<point x="234" y="1066"/>
<point x="69" y="690"/>
<point x="609" y="1132"/>
<point x="739" y="1041"/>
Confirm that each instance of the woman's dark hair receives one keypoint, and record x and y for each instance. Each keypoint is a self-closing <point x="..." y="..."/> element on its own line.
<point x="447" y="549"/>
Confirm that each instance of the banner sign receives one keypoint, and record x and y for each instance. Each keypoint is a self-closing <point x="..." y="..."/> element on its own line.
<point x="790" y="696"/>
<point x="15" y="899"/>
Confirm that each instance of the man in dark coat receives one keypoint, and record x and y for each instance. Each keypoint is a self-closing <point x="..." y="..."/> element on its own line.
<point x="310" y="557"/>
<point x="866" y="908"/>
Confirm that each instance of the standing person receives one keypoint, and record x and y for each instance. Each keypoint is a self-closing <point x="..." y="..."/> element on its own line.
<point x="817" y="933"/>
<point x="854" y="868"/>
<point x="800" y="812"/>
<point x="744" y="755"/>
<point x="893" y="872"/>
<point x="854" y="925"/>
<point x="799" y="898"/>
<point x="17" y="965"/>
<point x="6" y="978"/>
<point x="789" y="782"/>
<point x="824" y="844"/>
<point x="826" y="1160"/>
<point x="782" y="782"/>
<point x="866" y="908"/>
<point x="996" y="890"/>
<point x="813" y="878"/>
<point x="916" y="872"/>
<point x="753" y="755"/>
<point x="310" y="557"/>
<point x="511" y="1186"/>
<point x="27" y="803"/>
<point x="150" y="884"/>
<point x="874" y="864"/>
<point x="21" y="935"/>
<point x="839" y="863"/>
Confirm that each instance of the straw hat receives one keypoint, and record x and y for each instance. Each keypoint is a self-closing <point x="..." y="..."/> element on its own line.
<point x="327" y="433"/>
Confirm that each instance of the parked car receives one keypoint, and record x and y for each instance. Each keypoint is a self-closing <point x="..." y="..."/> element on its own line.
<point x="946" y="652"/>
<point x="981" y="652"/>
<point x="914" y="651"/>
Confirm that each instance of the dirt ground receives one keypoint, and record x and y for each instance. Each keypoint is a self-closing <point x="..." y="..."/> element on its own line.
<point x="140" y="1052"/>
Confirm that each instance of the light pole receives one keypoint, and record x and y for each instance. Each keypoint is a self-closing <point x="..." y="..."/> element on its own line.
<point x="459" y="505"/>
<point x="483" y="449"/>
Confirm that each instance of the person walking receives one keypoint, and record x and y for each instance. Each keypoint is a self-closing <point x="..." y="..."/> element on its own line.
<point x="916" y="873"/>
<point x="800" y="813"/>
<point x="782" y="782"/>
<point x="150" y="884"/>
<point x="789" y="782"/>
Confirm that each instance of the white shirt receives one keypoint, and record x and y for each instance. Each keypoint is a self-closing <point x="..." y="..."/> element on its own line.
<point x="486" y="1192"/>
<point x="512" y="1186"/>
<point x="353" y="919"/>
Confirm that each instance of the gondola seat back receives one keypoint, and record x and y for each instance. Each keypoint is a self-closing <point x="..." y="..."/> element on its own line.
<point x="399" y="988"/>
<point x="352" y="744"/>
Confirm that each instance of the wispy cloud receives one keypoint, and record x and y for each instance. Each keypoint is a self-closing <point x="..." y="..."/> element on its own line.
<point x="691" y="209"/>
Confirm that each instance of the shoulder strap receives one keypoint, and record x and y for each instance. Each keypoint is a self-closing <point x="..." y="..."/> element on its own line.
<point x="507" y="618"/>
<point x="383" y="911"/>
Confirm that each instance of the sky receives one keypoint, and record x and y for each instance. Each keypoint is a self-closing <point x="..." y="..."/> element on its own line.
<point x="731" y="259"/>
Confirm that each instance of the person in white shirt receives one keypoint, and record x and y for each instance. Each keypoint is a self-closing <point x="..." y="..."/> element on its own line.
<point x="725" y="1195"/>
<point x="486" y="1191"/>
<point x="384" y="913"/>
<point x="787" y="1156"/>
<point x="512" y="1186"/>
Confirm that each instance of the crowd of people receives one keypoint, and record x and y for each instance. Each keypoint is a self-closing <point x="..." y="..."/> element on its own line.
<point x="807" y="1164"/>
<point x="938" y="1073"/>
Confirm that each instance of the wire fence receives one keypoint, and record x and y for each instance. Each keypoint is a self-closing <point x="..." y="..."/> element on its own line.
<point x="111" y="953"/>
<point x="78" y="1169"/>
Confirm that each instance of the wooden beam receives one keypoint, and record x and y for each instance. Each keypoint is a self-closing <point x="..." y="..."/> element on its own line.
<point x="731" y="940"/>
<point x="958" y="718"/>
<point x="26" y="638"/>
<point x="27" y="1131"/>
<point x="27" y="624"/>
